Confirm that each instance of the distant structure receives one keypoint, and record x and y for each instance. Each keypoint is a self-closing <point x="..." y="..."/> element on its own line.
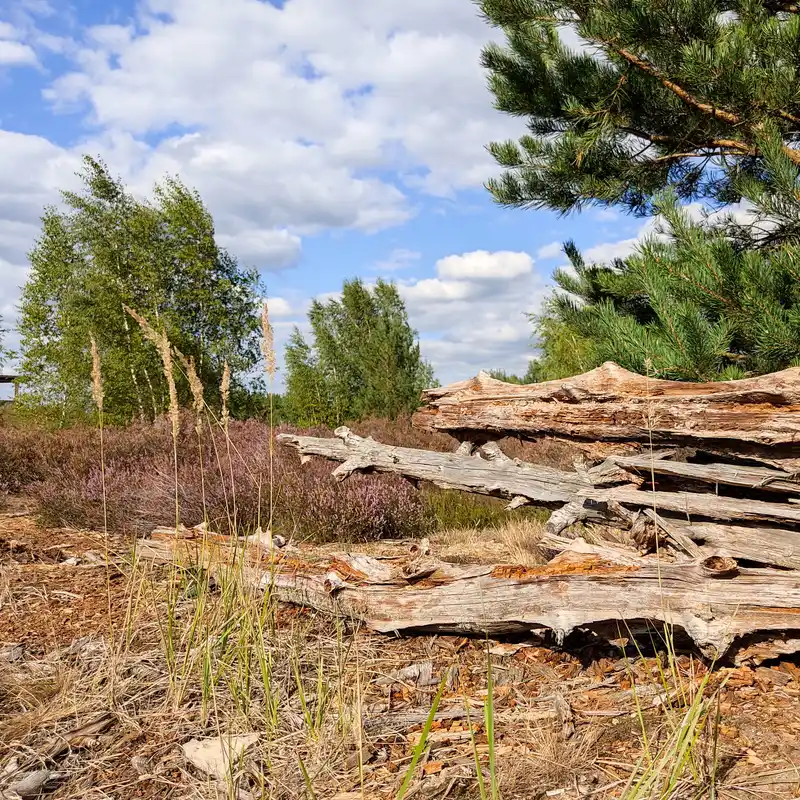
<point x="11" y="379"/>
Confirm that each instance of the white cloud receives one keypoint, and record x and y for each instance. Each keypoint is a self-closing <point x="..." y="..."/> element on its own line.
<point x="317" y="116"/>
<point x="14" y="53"/>
<point x="394" y="85"/>
<point x="481" y="265"/>
<point x="550" y="251"/>
<point x="268" y="249"/>
<point x="606" y="252"/>
<point x="467" y="323"/>
<point x="279" y="307"/>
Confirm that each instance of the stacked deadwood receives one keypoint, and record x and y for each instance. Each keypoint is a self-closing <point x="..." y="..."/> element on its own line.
<point x="698" y="491"/>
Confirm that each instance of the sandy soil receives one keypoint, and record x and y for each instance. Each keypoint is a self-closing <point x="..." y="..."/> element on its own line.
<point x="568" y="724"/>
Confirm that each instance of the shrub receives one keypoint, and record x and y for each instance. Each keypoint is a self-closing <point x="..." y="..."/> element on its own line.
<point x="62" y="471"/>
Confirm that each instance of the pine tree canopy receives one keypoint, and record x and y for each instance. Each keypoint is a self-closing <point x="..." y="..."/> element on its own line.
<point x="683" y="94"/>
<point x="106" y="250"/>
<point x="364" y="359"/>
<point x="690" y="304"/>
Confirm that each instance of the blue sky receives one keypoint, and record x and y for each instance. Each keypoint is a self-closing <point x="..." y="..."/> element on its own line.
<point x="329" y="138"/>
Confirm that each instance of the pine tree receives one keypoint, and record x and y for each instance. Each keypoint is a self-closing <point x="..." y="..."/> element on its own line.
<point x="364" y="360"/>
<point x="678" y="95"/>
<point x="108" y="250"/>
<point x="693" y="303"/>
<point x="663" y="103"/>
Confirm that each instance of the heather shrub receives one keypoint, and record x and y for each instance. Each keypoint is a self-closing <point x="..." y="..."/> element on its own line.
<point x="62" y="471"/>
<point x="230" y="491"/>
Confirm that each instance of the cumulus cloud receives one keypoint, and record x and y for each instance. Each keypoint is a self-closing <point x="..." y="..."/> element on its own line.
<point x="16" y="54"/>
<point x="473" y="314"/>
<point x="483" y="266"/>
<point x="290" y="121"/>
<point x="279" y="307"/>
<point x="550" y="251"/>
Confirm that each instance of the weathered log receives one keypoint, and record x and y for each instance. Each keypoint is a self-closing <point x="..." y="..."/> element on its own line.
<point x="713" y="601"/>
<point x="759" y="543"/>
<point x="612" y="404"/>
<point x="745" y="476"/>
<point x="500" y="477"/>
<point x="514" y="478"/>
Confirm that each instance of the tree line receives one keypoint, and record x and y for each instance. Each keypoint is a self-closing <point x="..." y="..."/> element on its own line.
<point x="662" y="110"/>
<point x="105" y="251"/>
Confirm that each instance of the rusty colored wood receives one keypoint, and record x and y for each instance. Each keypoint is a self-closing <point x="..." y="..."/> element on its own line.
<point x="612" y="404"/>
<point x="714" y="602"/>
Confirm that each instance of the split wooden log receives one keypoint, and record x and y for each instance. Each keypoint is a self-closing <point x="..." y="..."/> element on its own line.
<point x="495" y="475"/>
<point x="741" y="475"/>
<point x="716" y="603"/>
<point x="540" y="485"/>
<point x="759" y="416"/>
<point x="760" y="544"/>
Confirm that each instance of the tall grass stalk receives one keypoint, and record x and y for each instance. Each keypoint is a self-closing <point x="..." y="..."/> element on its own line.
<point x="162" y="344"/>
<point x="225" y="397"/>
<point x="198" y="405"/>
<point x="270" y="367"/>
<point x="488" y="716"/>
<point x="98" y="395"/>
<point x="422" y="744"/>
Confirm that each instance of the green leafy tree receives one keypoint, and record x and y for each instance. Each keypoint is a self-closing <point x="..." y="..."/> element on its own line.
<point x="676" y="95"/>
<point x="364" y="360"/>
<point x="107" y="250"/>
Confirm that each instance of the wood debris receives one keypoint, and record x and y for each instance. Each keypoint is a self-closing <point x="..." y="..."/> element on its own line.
<point x="713" y="541"/>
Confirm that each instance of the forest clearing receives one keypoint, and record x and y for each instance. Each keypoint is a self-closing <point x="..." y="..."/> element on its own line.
<point x="120" y="650"/>
<point x="262" y="537"/>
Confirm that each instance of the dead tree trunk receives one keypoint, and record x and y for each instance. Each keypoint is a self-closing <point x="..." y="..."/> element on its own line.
<point x="714" y="601"/>
<point x="758" y="416"/>
<point x="714" y="520"/>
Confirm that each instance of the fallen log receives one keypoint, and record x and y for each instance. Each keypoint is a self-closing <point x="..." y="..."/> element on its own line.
<point x="759" y="544"/>
<point x="759" y="416"/>
<point x="716" y="603"/>
<point x="504" y="477"/>
<point x="741" y="475"/>
<point x="494" y="475"/>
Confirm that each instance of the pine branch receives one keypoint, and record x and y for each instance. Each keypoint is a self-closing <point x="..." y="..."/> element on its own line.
<point x="706" y="108"/>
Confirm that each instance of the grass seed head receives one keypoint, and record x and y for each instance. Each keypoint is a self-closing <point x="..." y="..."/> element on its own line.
<point x="195" y="386"/>
<point x="161" y="341"/>
<point x="268" y="342"/>
<point x="97" y="375"/>
<point x="225" y="394"/>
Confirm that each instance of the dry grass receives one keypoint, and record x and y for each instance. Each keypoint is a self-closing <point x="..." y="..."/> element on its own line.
<point x="324" y="696"/>
<point x="339" y="712"/>
<point x="514" y="541"/>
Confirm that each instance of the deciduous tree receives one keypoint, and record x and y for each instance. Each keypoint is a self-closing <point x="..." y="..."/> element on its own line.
<point x="106" y="250"/>
<point x="364" y="359"/>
